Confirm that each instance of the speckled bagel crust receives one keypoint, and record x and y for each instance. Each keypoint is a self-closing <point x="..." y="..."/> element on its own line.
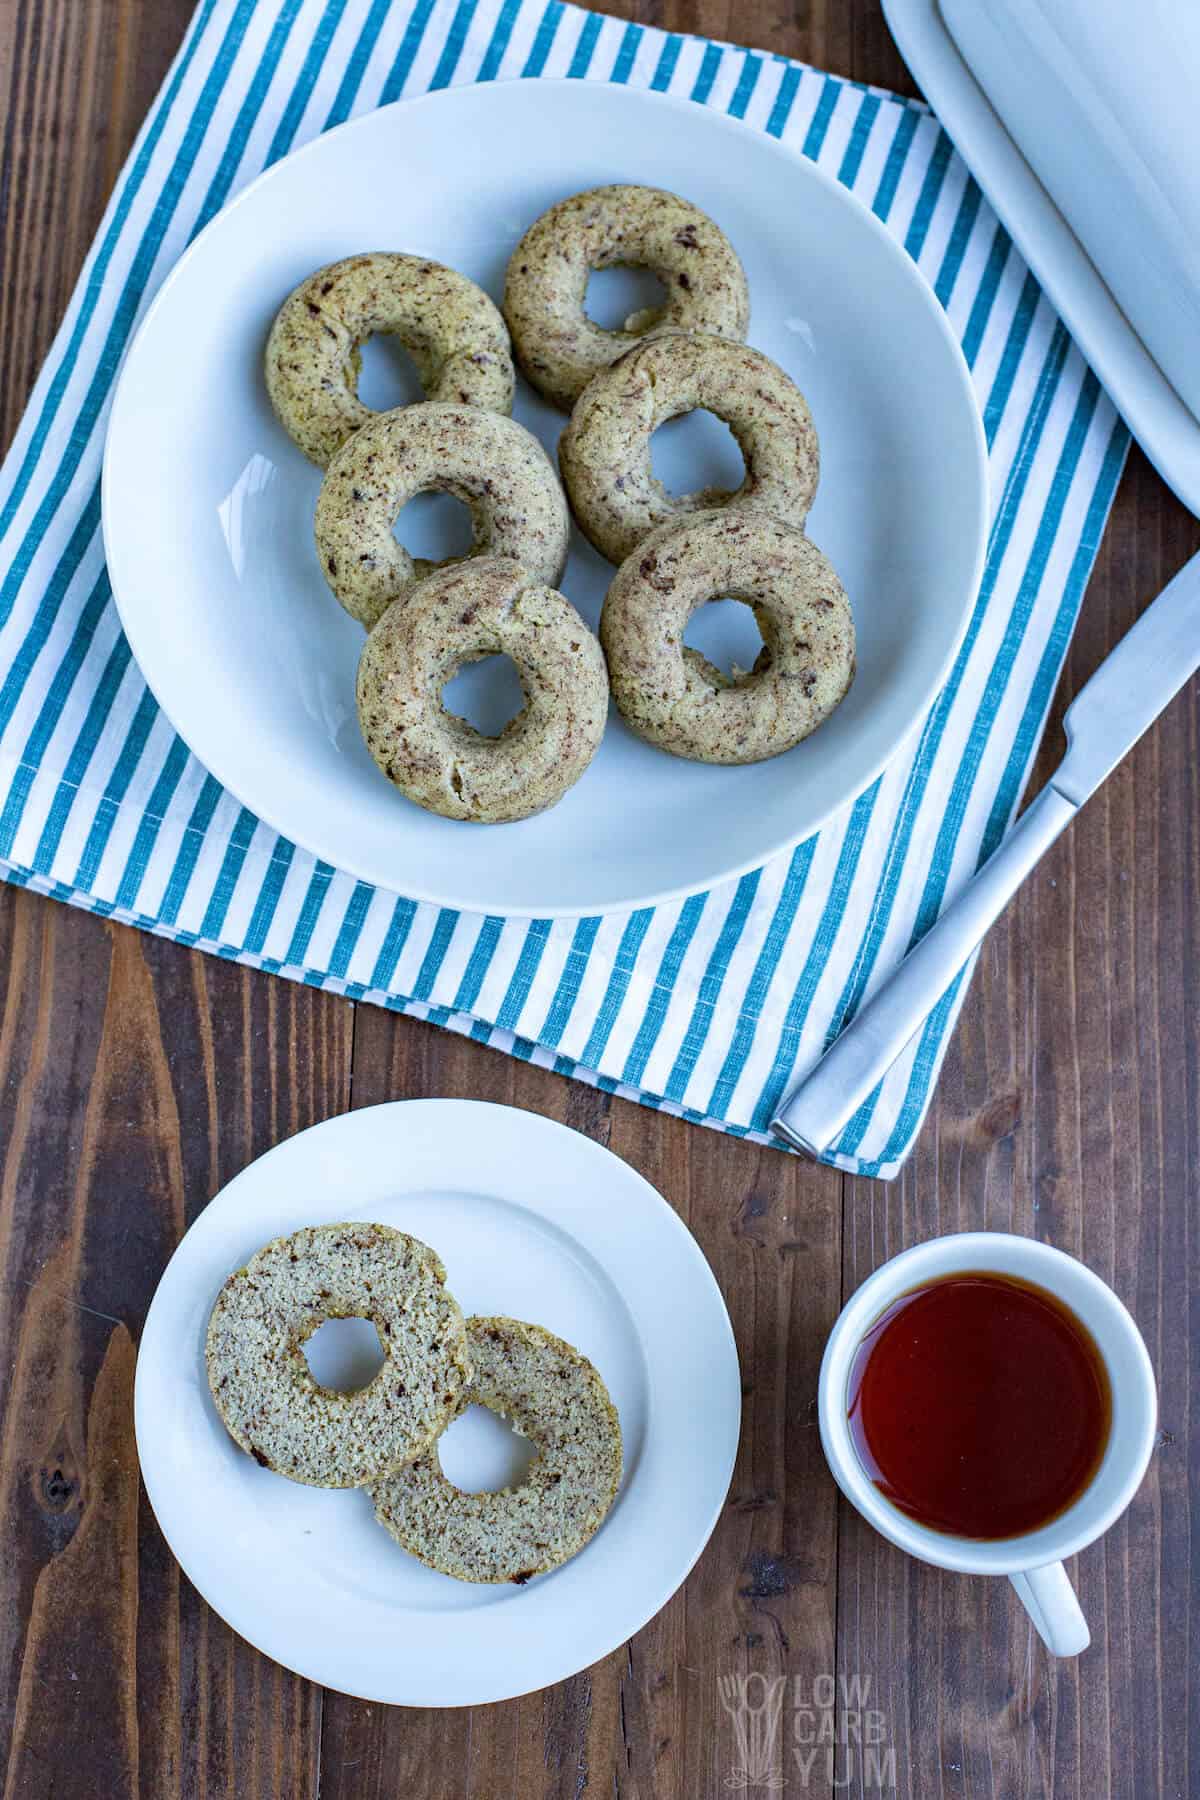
<point x="482" y="608"/>
<point x="451" y="329"/>
<point x="262" y="1384"/>
<point x="604" y="453"/>
<point x="554" y="1397"/>
<point x="496" y="467"/>
<point x="672" y="695"/>
<point x="558" y="346"/>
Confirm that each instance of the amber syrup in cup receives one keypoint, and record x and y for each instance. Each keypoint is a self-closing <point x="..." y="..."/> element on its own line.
<point x="979" y="1405"/>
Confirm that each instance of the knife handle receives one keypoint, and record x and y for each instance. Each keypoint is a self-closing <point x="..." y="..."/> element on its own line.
<point x="820" y="1107"/>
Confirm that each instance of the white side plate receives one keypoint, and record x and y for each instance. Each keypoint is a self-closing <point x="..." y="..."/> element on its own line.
<point x="532" y="1221"/>
<point x="208" y="506"/>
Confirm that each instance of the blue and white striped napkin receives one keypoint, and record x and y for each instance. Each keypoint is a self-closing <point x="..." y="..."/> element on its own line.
<point x="707" y="1007"/>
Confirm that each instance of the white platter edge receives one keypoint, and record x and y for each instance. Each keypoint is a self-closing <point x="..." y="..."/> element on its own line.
<point x="1166" y="429"/>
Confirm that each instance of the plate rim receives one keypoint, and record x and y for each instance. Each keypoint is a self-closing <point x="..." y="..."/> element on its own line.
<point x="907" y="270"/>
<point x="156" y="1477"/>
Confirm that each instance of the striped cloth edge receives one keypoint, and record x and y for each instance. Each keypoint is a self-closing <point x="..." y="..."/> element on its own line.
<point x="708" y="1007"/>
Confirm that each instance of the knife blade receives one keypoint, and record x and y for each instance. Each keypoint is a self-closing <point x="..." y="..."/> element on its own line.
<point x="1132" y="686"/>
<point x="1107" y="717"/>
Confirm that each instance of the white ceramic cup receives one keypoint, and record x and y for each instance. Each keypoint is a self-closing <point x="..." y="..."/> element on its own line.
<point x="1032" y="1561"/>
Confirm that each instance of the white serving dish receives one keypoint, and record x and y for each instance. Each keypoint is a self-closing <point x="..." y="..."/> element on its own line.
<point x="208" y="506"/>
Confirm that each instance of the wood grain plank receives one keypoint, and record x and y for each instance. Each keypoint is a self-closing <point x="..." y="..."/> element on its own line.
<point x="77" y="1673"/>
<point x="76" y="80"/>
<point x="1068" y="1110"/>
<point x="137" y="1077"/>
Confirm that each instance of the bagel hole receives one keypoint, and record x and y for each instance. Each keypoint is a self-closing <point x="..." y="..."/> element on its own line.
<point x="480" y="1452"/>
<point x="726" y="632"/>
<point x="694" y="452"/>
<point x="435" y="526"/>
<point x="388" y="376"/>
<point x="618" y="294"/>
<point x="487" y="694"/>
<point x="344" y="1354"/>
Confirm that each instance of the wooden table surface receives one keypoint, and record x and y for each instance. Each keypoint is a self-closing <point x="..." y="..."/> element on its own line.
<point x="136" y="1077"/>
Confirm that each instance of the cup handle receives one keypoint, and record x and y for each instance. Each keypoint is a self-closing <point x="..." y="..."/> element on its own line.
<point x="1049" y="1599"/>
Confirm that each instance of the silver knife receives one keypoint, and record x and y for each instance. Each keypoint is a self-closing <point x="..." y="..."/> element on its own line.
<point x="1104" y="721"/>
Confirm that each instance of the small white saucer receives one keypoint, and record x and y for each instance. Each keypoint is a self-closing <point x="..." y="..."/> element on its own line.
<point x="533" y="1221"/>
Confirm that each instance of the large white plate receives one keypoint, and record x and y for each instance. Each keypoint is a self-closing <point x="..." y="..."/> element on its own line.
<point x="208" y="506"/>
<point x="533" y="1221"/>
